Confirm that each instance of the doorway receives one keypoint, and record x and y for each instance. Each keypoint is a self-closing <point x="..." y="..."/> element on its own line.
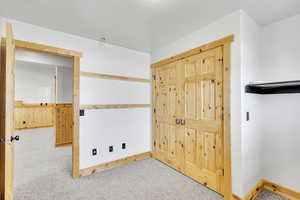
<point x="42" y="118"/>
<point x="7" y="135"/>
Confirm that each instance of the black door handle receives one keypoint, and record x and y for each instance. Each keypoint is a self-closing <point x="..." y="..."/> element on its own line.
<point x="182" y="122"/>
<point x="17" y="138"/>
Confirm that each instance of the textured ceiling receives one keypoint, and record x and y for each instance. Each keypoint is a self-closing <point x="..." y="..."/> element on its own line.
<point x="139" y="24"/>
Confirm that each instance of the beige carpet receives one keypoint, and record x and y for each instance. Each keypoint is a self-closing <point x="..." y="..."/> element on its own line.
<point x="43" y="173"/>
<point x="265" y="195"/>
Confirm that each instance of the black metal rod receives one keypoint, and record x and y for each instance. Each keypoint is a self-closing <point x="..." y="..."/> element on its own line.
<point x="283" y="87"/>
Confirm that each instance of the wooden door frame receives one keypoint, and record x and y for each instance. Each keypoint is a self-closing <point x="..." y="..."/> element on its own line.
<point x="7" y="115"/>
<point x="75" y="56"/>
<point x="225" y="44"/>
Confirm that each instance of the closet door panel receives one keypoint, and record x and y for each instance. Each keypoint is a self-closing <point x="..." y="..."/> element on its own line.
<point x="202" y="83"/>
<point x="165" y="148"/>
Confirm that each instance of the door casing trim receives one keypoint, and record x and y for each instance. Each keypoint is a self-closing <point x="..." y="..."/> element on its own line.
<point x="75" y="56"/>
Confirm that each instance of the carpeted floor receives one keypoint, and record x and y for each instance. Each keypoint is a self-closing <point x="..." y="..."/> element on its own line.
<point x="267" y="195"/>
<point x="43" y="173"/>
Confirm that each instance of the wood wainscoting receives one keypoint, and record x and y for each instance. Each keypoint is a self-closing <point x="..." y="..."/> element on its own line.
<point x="268" y="185"/>
<point x="60" y="116"/>
<point x="30" y="116"/>
<point x="63" y="124"/>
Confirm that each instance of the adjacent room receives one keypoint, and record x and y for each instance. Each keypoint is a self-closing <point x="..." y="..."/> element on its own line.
<point x="43" y="118"/>
<point x="150" y="99"/>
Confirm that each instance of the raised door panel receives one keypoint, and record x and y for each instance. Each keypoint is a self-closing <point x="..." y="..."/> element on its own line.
<point x="43" y="116"/>
<point x="194" y="154"/>
<point x="180" y="149"/>
<point x="40" y="116"/>
<point x="36" y="114"/>
<point x="29" y="117"/>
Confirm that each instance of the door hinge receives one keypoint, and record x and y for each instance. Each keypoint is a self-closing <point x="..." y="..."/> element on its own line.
<point x="221" y="172"/>
<point x="154" y="110"/>
<point x="3" y="140"/>
<point x="154" y="77"/>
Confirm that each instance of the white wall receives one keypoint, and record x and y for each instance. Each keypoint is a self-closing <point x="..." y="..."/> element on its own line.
<point x="122" y="125"/>
<point x="281" y="127"/>
<point x="270" y="140"/>
<point x="34" y="82"/>
<point x="108" y="59"/>
<point x="115" y="92"/>
<point x="64" y="78"/>
<point x="221" y="28"/>
<point x="33" y="56"/>
<point x="252" y="152"/>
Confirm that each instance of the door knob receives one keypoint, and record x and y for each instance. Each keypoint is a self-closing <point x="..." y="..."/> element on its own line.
<point x="178" y="121"/>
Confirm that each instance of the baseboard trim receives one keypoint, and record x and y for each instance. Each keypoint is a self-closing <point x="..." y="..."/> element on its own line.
<point x="37" y="127"/>
<point x="123" y="161"/>
<point x="235" y="197"/>
<point x="258" y="188"/>
<point x="281" y="190"/>
<point x="267" y="185"/>
<point x="63" y="145"/>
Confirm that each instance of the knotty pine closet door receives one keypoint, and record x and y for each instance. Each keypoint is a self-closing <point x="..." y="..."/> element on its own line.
<point x="168" y="136"/>
<point x="188" y="123"/>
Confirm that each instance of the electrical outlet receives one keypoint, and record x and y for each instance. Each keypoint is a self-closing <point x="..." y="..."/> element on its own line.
<point x="123" y="145"/>
<point x="111" y="148"/>
<point x="94" y="152"/>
